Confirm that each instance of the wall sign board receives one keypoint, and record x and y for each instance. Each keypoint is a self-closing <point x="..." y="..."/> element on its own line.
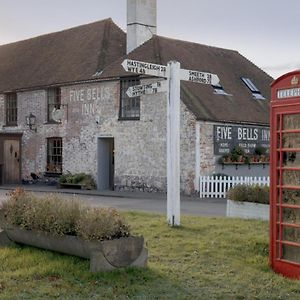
<point x="247" y="137"/>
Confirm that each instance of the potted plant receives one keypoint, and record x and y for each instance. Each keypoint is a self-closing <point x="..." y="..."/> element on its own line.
<point x="69" y="227"/>
<point x="247" y="159"/>
<point x="224" y="159"/>
<point x="260" y="153"/>
<point x="237" y="154"/>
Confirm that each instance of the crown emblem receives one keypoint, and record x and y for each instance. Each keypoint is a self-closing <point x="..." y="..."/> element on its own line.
<point x="295" y="80"/>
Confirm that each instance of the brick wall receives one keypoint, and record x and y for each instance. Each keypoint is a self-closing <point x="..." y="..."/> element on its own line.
<point x="207" y="157"/>
<point x="2" y="114"/>
<point x="91" y="112"/>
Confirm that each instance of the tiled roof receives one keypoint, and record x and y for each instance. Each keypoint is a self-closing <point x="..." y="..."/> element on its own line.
<point x="229" y="65"/>
<point x="66" y="56"/>
<point x="76" y="54"/>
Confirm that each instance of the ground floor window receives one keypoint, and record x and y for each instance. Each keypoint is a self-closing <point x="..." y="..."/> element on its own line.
<point x="54" y="155"/>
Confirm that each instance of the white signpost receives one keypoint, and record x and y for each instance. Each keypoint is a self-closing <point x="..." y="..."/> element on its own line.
<point x="199" y="77"/>
<point x="147" y="89"/>
<point x="141" y="67"/>
<point x="173" y="74"/>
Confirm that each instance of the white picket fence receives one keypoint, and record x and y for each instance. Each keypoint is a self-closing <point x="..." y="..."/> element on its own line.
<point x="217" y="187"/>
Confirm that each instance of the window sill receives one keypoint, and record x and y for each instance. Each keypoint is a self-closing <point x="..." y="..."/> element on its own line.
<point x="51" y="174"/>
<point x="10" y="125"/>
<point x="129" y="119"/>
<point x="51" y="123"/>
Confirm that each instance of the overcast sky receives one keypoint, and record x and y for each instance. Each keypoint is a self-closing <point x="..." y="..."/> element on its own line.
<point x="265" y="31"/>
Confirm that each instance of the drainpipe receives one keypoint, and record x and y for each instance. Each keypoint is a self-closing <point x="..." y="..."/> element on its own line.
<point x="197" y="158"/>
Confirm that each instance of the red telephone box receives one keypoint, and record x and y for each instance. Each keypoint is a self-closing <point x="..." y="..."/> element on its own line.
<point x="285" y="175"/>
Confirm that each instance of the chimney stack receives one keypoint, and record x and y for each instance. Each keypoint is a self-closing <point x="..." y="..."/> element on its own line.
<point x="141" y="22"/>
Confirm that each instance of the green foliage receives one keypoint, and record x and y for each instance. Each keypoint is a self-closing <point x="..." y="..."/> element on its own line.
<point x="247" y="159"/>
<point x="249" y="193"/>
<point x="259" y="150"/>
<point x="58" y="216"/>
<point x="234" y="157"/>
<point x="85" y="180"/>
<point x="95" y="224"/>
<point x="205" y="258"/>
<point x="237" y="155"/>
<point x="237" y="150"/>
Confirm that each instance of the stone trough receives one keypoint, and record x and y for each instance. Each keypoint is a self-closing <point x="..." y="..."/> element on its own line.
<point x="105" y="255"/>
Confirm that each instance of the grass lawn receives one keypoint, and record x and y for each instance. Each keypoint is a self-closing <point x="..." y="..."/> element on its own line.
<point x="205" y="258"/>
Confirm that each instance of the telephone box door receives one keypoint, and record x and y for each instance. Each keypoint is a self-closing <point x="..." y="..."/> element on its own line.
<point x="285" y="182"/>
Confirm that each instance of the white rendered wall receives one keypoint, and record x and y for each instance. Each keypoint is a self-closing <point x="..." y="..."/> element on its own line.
<point x="141" y="22"/>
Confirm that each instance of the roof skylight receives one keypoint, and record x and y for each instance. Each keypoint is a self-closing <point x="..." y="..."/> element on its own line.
<point x="251" y="86"/>
<point x="218" y="90"/>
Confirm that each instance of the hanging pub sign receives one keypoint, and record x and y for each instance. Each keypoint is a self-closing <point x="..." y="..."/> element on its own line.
<point x="226" y="137"/>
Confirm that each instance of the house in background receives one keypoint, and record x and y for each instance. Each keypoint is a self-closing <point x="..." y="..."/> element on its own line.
<point x="73" y="85"/>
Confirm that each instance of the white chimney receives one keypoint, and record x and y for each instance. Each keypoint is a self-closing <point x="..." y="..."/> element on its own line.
<point x="141" y="22"/>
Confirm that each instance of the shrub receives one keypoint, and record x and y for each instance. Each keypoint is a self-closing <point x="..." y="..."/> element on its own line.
<point x="101" y="224"/>
<point x="80" y="178"/>
<point x="237" y="150"/>
<point x="58" y="216"/>
<point x="49" y="214"/>
<point x="260" y="150"/>
<point x="249" y="193"/>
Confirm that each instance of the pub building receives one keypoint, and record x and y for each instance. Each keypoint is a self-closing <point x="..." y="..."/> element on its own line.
<point x="64" y="108"/>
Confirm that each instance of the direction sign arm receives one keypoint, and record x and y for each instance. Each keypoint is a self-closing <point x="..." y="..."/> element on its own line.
<point x="199" y="77"/>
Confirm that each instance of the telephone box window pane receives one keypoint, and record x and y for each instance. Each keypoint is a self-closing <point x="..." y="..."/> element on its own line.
<point x="278" y="141"/>
<point x="291" y="197"/>
<point x="278" y="122"/>
<point x="291" y="253"/>
<point x="278" y="159"/>
<point x="291" y="122"/>
<point x="291" y="159"/>
<point x="278" y="178"/>
<point x="278" y="250"/>
<point x="291" y="234"/>
<point x="277" y="230"/>
<point x="291" y="140"/>
<point x="291" y="178"/>
<point x="291" y="215"/>
<point x="278" y="196"/>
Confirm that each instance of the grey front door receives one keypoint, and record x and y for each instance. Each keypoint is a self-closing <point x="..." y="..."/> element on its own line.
<point x="105" y="164"/>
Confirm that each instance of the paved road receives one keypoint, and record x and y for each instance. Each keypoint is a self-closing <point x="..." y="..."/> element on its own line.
<point x="142" y="202"/>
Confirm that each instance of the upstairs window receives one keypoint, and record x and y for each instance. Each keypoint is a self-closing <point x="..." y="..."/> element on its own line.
<point x="11" y="109"/>
<point x="129" y="107"/>
<point x="54" y="155"/>
<point x="53" y="102"/>
<point x="254" y="90"/>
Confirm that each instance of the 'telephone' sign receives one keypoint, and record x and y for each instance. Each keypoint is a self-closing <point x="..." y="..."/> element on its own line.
<point x="288" y="93"/>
